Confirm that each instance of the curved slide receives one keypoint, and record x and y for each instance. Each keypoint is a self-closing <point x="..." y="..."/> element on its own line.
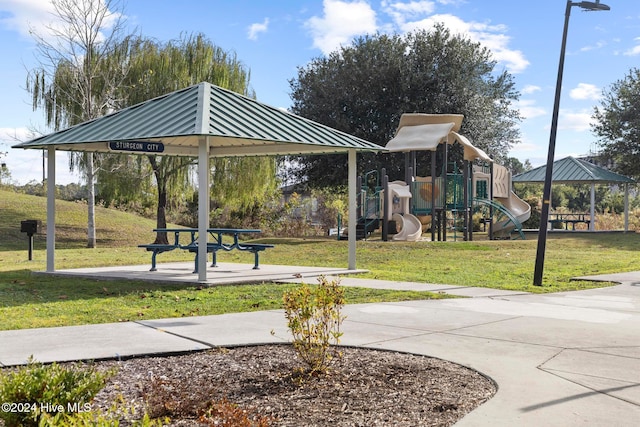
<point x="411" y="227"/>
<point x="520" y="209"/>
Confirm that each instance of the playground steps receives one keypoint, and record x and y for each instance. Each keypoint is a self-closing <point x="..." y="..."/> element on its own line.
<point x="364" y="228"/>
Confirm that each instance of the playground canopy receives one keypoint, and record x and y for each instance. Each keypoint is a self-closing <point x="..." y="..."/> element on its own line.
<point x="424" y="132"/>
<point x="578" y="171"/>
<point x="202" y="120"/>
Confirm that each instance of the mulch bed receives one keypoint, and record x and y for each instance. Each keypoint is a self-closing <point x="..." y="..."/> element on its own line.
<point x="364" y="387"/>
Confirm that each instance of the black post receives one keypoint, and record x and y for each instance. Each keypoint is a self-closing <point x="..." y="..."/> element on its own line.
<point x="30" y="246"/>
<point x="546" y="192"/>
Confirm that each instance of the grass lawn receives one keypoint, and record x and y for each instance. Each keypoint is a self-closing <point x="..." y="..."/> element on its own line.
<point x="28" y="300"/>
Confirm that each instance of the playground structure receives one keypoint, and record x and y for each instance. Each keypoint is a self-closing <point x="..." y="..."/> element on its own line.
<point x="446" y="200"/>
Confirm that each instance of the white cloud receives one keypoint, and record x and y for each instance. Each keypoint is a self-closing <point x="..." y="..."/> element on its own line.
<point x="598" y="45"/>
<point x="523" y="148"/>
<point x="529" y="89"/>
<point x="22" y="15"/>
<point x="634" y="51"/>
<point x="27" y="16"/>
<point x="26" y="165"/>
<point x="585" y="91"/>
<point x="578" y="122"/>
<point x="491" y="36"/>
<point x="341" y="22"/>
<point x="400" y="12"/>
<point x="255" y="29"/>
<point x="528" y="109"/>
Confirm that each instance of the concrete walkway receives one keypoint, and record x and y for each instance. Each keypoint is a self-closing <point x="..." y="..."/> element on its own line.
<point x="565" y="359"/>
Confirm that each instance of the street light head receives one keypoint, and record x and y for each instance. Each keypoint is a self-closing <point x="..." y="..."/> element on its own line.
<point x="592" y="6"/>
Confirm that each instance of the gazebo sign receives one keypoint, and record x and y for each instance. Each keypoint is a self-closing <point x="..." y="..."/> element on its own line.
<point x="137" y="146"/>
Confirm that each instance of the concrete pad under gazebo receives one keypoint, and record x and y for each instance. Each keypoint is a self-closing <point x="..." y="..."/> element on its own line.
<point x="201" y="121"/>
<point x="574" y="171"/>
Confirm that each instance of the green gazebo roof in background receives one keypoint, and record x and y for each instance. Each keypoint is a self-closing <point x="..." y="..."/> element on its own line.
<point x="573" y="171"/>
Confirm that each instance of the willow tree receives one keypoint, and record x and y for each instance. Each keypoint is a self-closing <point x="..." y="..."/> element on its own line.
<point x="156" y="69"/>
<point x="79" y="73"/>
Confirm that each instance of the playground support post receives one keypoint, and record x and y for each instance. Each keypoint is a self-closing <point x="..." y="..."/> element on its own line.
<point x="467" y="218"/>
<point x="385" y="206"/>
<point x="490" y="191"/>
<point x="546" y="193"/>
<point x="445" y="168"/>
<point x="433" y="196"/>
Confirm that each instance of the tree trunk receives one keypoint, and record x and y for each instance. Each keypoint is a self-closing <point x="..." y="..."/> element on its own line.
<point x="91" y="203"/>
<point x="161" y="217"/>
<point x="161" y="213"/>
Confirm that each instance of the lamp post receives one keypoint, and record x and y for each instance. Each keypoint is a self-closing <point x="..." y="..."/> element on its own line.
<point x="546" y="194"/>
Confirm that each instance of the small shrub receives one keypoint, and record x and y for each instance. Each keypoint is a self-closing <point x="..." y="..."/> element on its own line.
<point x="36" y="390"/>
<point x="227" y="414"/>
<point x="314" y="319"/>
<point x="170" y="398"/>
<point x="166" y="397"/>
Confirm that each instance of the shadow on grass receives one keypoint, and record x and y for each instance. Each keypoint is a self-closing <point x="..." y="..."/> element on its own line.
<point x="20" y="287"/>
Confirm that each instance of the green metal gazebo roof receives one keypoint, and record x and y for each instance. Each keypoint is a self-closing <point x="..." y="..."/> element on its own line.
<point x="236" y="125"/>
<point x="573" y="171"/>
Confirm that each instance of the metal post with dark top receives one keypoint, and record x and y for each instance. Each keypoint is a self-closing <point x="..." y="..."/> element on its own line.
<point x="546" y="193"/>
<point x="31" y="227"/>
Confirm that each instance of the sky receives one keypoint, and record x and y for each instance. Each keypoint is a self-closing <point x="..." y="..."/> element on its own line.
<point x="273" y="38"/>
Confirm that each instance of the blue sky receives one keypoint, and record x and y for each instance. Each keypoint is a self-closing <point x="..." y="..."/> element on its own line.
<point x="274" y="37"/>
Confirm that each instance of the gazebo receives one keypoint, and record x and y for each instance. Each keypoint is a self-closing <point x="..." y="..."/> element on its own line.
<point x="578" y="171"/>
<point x="202" y="121"/>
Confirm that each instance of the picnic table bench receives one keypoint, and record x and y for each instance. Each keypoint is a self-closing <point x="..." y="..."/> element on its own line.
<point x="563" y="220"/>
<point x="213" y="247"/>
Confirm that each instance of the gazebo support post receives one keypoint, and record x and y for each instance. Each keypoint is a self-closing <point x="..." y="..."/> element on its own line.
<point x="353" y="206"/>
<point x="51" y="209"/>
<point x="203" y="207"/>
<point x="592" y="212"/>
<point x="626" y="207"/>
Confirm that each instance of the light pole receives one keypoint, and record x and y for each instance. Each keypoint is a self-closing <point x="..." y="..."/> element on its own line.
<point x="546" y="194"/>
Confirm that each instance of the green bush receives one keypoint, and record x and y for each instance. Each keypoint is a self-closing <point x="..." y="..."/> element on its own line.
<point x="314" y="319"/>
<point x="31" y="392"/>
<point x="97" y="419"/>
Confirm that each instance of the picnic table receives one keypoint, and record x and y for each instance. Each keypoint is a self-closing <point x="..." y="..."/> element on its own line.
<point x="564" y="219"/>
<point x="218" y="243"/>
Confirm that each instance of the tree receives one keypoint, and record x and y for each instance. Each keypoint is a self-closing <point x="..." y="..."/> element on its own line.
<point x="516" y="166"/>
<point x="156" y="69"/>
<point x="363" y="89"/>
<point x="5" y="175"/>
<point x="616" y="123"/>
<point x="80" y="69"/>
